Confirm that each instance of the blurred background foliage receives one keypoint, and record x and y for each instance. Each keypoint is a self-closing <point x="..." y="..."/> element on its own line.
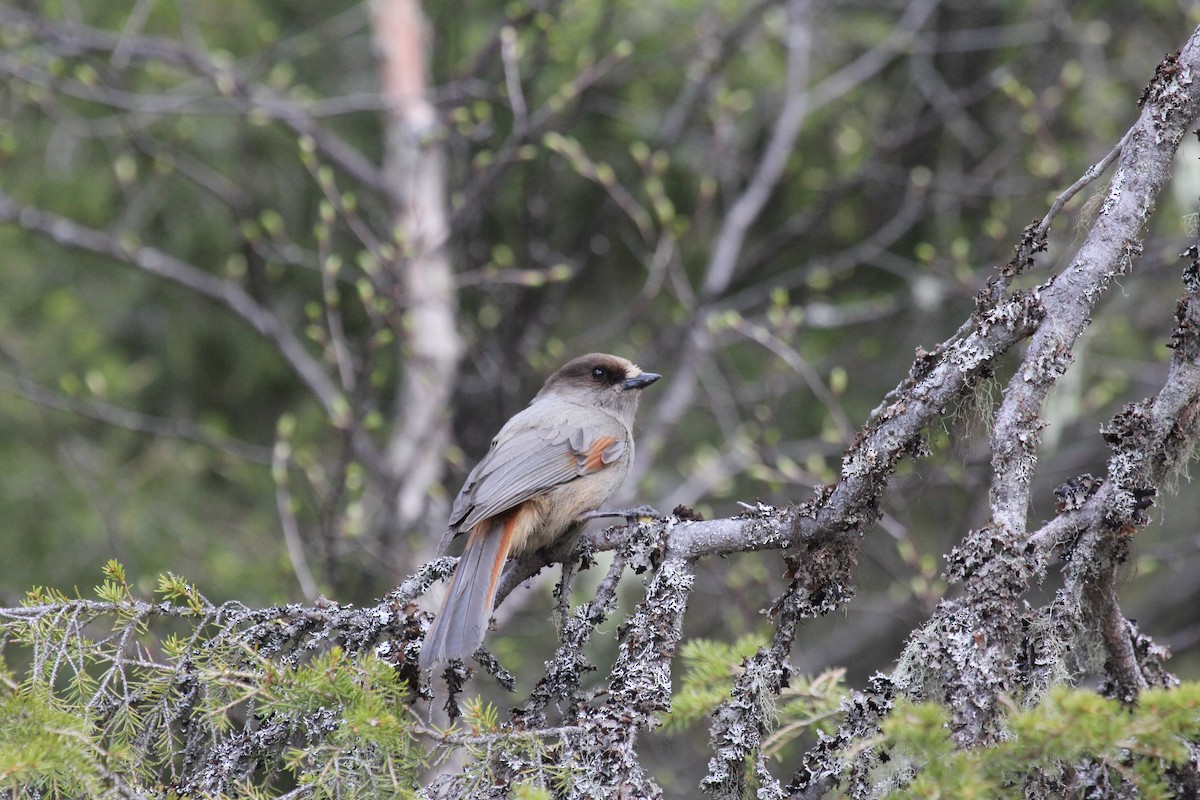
<point x="137" y="421"/>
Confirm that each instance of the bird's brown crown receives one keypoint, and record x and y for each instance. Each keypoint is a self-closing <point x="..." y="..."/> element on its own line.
<point x="601" y="380"/>
<point x="597" y="369"/>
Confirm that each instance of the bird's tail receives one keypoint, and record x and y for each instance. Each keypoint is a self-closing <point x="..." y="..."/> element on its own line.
<point x="458" y="629"/>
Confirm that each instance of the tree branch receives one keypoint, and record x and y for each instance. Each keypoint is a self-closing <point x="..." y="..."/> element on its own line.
<point x="991" y="562"/>
<point x="161" y="265"/>
<point x="72" y="38"/>
<point x="414" y="172"/>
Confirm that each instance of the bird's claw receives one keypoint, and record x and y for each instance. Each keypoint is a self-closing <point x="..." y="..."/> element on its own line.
<point x="642" y="513"/>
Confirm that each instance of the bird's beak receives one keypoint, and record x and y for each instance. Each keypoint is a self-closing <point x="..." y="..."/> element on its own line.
<point x="641" y="380"/>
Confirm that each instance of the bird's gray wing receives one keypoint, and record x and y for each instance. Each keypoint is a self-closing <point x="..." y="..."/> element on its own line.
<point x="538" y="449"/>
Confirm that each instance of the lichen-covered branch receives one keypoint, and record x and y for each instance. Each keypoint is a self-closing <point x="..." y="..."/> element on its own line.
<point x="966" y="655"/>
<point x="981" y="647"/>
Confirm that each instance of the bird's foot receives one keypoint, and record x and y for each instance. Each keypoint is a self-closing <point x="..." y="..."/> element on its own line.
<point x="642" y="513"/>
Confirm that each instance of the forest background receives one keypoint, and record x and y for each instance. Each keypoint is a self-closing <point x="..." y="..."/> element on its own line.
<point x="275" y="272"/>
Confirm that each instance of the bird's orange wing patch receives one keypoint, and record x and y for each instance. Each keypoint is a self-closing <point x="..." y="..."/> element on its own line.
<point x="597" y="456"/>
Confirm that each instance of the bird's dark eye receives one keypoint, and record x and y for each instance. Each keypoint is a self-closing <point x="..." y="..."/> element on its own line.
<point x="599" y="373"/>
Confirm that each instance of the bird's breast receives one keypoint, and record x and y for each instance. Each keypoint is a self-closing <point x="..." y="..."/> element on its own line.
<point x="552" y="513"/>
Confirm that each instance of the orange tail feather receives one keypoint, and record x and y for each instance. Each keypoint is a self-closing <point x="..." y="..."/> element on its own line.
<point x="458" y="629"/>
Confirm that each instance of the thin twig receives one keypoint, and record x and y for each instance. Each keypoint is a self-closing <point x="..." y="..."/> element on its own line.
<point x="287" y="521"/>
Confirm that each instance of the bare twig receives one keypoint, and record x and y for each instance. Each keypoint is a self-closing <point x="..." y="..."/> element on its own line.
<point x="512" y="77"/>
<point x="288" y="522"/>
<point x="800" y="100"/>
<point x="225" y="77"/>
<point x="161" y="265"/>
<point x="91" y="408"/>
<point x="750" y="202"/>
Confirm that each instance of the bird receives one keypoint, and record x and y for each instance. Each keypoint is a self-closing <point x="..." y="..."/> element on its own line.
<point x="560" y="457"/>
